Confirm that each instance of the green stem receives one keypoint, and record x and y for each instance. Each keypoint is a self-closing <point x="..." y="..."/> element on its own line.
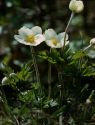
<point x="87" y="48"/>
<point x="35" y="65"/>
<point x="71" y="17"/>
<point x="37" y="74"/>
<point x="61" y="96"/>
<point x="49" y="79"/>
<point x="60" y="119"/>
<point x="17" y="122"/>
<point x="92" y="93"/>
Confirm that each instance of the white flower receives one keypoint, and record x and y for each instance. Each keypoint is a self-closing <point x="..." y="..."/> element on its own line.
<point x="76" y="6"/>
<point x="53" y="40"/>
<point x="92" y="42"/>
<point x="32" y="37"/>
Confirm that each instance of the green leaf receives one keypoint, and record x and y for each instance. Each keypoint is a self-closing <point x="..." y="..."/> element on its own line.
<point x="78" y="55"/>
<point x="58" y="111"/>
<point x="43" y="54"/>
<point x="35" y="86"/>
<point x="50" y="103"/>
<point x="27" y="96"/>
<point x="25" y="72"/>
<point x="6" y="69"/>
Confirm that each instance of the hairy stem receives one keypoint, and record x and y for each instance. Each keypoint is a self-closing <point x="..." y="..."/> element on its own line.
<point x="49" y="79"/>
<point x="61" y="96"/>
<point x="37" y="74"/>
<point x="17" y="122"/>
<point x="87" y="48"/>
<point x="60" y="119"/>
<point x="71" y="17"/>
<point x="35" y="65"/>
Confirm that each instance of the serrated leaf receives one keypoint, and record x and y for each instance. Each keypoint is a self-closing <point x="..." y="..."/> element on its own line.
<point x="78" y="55"/>
<point x="27" y="96"/>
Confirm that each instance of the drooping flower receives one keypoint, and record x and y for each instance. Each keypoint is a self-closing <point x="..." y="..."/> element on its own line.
<point x="32" y="37"/>
<point x="53" y="40"/>
<point x="76" y="6"/>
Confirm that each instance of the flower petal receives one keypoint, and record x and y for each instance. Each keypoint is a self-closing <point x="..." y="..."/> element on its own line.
<point x="66" y="42"/>
<point x="36" y="30"/>
<point x="21" y="40"/>
<point x="25" y="31"/>
<point x="38" y="39"/>
<point x="61" y="36"/>
<point x="50" y="44"/>
<point x="49" y="34"/>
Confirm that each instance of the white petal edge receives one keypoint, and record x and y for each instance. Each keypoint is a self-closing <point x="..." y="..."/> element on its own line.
<point x="50" y="33"/>
<point x="36" y="30"/>
<point x="25" y="31"/>
<point x="61" y="36"/>
<point x="66" y="42"/>
<point x="39" y="39"/>
<point x="20" y="40"/>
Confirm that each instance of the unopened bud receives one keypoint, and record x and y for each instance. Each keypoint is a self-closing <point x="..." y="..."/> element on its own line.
<point x="88" y="101"/>
<point x="4" y="80"/>
<point x="76" y="6"/>
<point x="92" y="42"/>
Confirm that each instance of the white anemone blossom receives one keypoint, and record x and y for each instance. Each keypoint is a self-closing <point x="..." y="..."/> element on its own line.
<point x="55" y="41"/>
<point x="32" y="37"/>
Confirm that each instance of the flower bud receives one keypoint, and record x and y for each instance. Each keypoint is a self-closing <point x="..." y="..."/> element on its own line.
<point x="12" y="74"/>
<point x="92" y="42"/>
<point x="4" y="80"/>
<point x="76" y="6"/>
<point x="88" y="101"/>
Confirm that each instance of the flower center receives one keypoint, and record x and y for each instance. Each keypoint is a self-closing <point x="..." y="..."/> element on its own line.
<point x="30" y="38"/>
<point x="54" y="41"/>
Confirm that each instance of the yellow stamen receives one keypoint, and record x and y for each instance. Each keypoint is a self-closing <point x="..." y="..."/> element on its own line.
<point x="30" y="38"/>
<point x="54" y="41"/>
